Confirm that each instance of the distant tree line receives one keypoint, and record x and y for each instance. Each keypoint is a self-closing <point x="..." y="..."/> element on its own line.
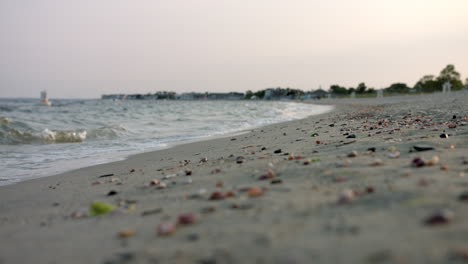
<point x="427" y="84"/>
<point x="277" y="92"/>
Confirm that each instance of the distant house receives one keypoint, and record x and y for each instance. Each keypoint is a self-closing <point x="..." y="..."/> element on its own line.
<point x="225" y="96"/>
<point x="317" y="94"/>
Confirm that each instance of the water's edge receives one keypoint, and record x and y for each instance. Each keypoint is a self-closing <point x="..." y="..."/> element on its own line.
<point x="119" y="158"/>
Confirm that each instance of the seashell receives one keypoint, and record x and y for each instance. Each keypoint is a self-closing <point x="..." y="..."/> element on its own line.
<point x="346" y="196"/>
<point x="433" y="161"/>
<point x="166" y="229"/>
<point x="83" y="212"/>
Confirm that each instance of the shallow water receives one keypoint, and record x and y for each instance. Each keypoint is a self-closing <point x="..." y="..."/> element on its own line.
<point x="38" y="141"/>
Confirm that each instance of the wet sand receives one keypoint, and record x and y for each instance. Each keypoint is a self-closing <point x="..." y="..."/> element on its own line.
<point x="353" y="193"/>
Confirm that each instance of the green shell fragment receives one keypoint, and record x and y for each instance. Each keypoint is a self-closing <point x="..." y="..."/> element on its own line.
<point x="99" y="208"/>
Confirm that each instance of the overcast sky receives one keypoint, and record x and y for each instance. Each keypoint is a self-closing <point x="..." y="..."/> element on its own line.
<point x="84" y="48"/>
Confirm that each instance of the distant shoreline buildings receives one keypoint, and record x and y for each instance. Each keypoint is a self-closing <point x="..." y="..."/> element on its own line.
<point x="267" y="94"/>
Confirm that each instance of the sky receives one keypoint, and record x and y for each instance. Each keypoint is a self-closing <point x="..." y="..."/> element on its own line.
<point x="85" y="48"/>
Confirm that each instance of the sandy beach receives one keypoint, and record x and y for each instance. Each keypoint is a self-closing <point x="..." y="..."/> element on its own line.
<point x="374" y="181"/>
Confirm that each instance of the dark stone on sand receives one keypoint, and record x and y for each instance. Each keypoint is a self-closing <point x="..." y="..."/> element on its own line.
<point x="351" y="136"/>
<point x="371" y="149"/>
<point x="440" y="217"/>
<point x="463" y="196"/>
<point x="277" y="151"/>
<point x="443" y="136"/>
<point x="331" y="125"/>
<point x="112" y="192"/>
<point x="454" y="117"/>
<point x="152" y="212"/>
<point x="422" y="147"/>
<point x="106" y="175"/>
<point x="193" y="237"/>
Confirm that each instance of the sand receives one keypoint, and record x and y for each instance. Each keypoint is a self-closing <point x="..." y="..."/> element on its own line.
<point x="326" y="206"/>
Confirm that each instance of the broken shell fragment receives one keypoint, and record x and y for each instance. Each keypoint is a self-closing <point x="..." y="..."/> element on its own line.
<point x="394" y="155"/>
<point x="166" y="229"/>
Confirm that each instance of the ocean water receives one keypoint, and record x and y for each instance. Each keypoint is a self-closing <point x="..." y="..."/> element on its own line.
<point x="38" y="141"/>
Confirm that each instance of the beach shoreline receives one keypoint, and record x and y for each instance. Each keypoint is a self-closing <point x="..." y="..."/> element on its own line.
<point x="349" y="194"/>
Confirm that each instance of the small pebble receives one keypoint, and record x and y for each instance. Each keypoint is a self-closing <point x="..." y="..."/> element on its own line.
<point x="186" y="219"/>
<point x="255" y="191"/>
<point x="277" y="181"/>
<point x="353" y="154"/>
<point x="217" y="196"/>
<point x="371" y="149"/>
<point x="351" y="136"/>
<point x="418" y="162"/>
<point x="126" y="233"/>
<point x="277" y="151"/>
<point x="444" y="167"/>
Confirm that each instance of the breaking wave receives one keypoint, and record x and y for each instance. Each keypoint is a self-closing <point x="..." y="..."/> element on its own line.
<point x="37" y="141"/>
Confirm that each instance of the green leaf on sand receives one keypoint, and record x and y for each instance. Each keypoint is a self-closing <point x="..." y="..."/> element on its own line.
<point x="99" y="208"/>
